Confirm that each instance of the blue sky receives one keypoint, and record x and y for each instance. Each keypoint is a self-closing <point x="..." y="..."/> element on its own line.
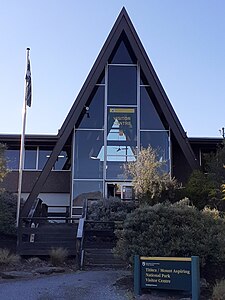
<point x="185" y="41"/>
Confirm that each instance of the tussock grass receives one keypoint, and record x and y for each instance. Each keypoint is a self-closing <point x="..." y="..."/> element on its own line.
<point x="33" y="260"/>
<point x="58" y="256"/>
<point x="7" y="258"/>
<point x="219" y="290"/>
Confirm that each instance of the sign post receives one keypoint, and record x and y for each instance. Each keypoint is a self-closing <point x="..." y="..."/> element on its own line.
<point x="137" y="277"/>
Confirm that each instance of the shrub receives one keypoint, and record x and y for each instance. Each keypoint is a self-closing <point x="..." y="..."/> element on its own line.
<point x="112" y="209"/>
<point x="215" y="163"/>
<point x="151" y="183"/>
<point x="219" y="291"/>
<point x="3" y="167"/>
<point x="8" y="203"/>
<point x="173" y="230"/>
<point x="58" y="256"/>
<point x="199" y="189"/>
<point x="8" y="259"/>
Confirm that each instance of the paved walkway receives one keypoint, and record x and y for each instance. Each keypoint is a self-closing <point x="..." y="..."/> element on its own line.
<point x="84" y="285"/>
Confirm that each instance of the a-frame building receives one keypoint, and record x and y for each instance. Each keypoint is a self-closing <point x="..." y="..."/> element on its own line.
<point x="121" y="107"/>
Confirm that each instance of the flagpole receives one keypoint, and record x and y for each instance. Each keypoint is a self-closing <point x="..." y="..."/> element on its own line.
<point x="22" y="151"/>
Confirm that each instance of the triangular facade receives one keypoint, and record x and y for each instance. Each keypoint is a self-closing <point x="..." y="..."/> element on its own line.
<point x="121" y="107"/>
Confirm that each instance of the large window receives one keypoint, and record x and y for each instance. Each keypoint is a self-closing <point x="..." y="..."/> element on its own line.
<point x="30" y="162"/>
<point x="35" y="158"/>
<point x="121" y="140"/>
<point x="43" y="156"/>
<point x="122" y="85"/>
<point x="158" y="140"/>
<point x="119" y="118"/>
<point x="12" y="158"/>
<point x="149" y="117"/>
<point x="86" y="189"/>
<point x="93" y="112"/>
<point x="89" y="154"/>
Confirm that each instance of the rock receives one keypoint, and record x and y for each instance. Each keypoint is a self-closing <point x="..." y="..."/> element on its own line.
<point x="203" y="283"/>
<point x="49" y="270"/>
<point x="15" y="274"/>
<point x="58" y="270"/>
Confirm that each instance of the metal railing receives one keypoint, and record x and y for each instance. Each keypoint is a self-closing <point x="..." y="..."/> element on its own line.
<point x="39" y="223"/>
<point x="80" y="237"/>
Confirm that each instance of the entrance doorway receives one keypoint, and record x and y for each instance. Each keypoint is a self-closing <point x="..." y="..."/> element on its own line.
<point x="122" y="190"/>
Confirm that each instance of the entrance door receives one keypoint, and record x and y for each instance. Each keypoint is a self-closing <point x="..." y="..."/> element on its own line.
<point x="122" y="190"/>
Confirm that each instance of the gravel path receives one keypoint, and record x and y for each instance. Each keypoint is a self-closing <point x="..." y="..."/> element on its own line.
<point x="84" y="285"/>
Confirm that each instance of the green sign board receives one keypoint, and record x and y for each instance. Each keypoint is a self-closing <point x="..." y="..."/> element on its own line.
<point x="166" y="273"/>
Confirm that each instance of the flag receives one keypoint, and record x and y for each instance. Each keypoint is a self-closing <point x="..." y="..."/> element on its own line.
<point x="28" y="92"/>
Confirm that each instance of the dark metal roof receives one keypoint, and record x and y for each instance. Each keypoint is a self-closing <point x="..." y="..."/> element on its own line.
<point x="123" y="24"/>
<point x="31" y="138"/>
<point x="205" y="140"/>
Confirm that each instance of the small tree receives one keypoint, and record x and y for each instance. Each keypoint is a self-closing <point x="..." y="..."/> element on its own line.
<point x="215" y="165"/>
<point x="199" y="189"/>
<point x="208" y="187"/>
<point x="3" y="167"/>
<point x="7" y="213"/>
<point x="150" y="183"/>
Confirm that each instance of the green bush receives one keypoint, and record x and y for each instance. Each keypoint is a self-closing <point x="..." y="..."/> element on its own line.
<point x="112" y="209"/>
<point x="199" y="189"/>
<point x="173" y="230"/>
<point x="203" y="190"/>
<point x="8" y="203"/>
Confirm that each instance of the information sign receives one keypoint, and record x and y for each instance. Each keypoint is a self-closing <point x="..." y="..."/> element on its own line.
<point x="166" y="273"/>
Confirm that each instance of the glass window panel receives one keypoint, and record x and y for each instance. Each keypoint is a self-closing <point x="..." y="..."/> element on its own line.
<point x="120" y="150"/>
<point x="115" y="168"/>
<point x="143" y="79"/>
<point x="149" y="116"/>
<point x="12" y="158"/>
<point x="122" y="124"/>
<point x="121" y="158"/>
<point x="122" y="85"/>
<point x="89" y="154"/>
<point x="61" y="162"/>
<point x="158" y="140"/>
<point x="43" y="156"/>
<point x="93" y="112"/>
<point x="101" y="79"/>
<point x="85" y="189"/>
<point x="30" y="159"/>
<point x="123" y="54"/>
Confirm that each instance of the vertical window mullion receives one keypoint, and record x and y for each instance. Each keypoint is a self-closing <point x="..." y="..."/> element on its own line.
<point x="37" y="158"/>
<point x="105" y="128"/>
<point x="138" y="108"/>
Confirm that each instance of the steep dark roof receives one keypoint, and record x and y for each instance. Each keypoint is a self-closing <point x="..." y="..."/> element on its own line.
<point x="124" y="25"/>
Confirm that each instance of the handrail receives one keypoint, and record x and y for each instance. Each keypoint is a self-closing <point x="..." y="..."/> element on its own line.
<point x="37" y="202"/>
<point x="80" y="237"/>
<point x="47" y="218"/>
<point x="59" y="206"/>
<point x="84" y="212"/>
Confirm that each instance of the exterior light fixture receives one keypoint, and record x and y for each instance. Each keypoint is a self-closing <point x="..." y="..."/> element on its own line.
<point x="87" y="111"/>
